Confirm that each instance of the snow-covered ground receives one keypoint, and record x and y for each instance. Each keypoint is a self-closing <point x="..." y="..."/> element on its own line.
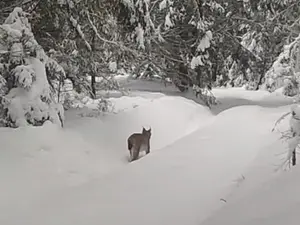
<point x="199" y="159"/>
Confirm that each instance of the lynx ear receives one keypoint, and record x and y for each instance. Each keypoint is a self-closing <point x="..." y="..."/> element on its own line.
<point x="144" y="129"/>
<point x="149" y="129"/>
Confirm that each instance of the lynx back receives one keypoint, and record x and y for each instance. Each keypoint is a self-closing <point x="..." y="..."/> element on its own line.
<point x="138" y="142"/>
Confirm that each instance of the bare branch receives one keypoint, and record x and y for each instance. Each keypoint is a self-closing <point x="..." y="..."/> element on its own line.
<point x="280" y="119"/>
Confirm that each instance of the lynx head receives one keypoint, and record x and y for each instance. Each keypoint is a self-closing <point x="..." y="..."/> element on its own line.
<point x="146" y="133"/>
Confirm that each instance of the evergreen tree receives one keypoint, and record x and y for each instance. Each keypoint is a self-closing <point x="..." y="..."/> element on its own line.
<point x="26" y="95"/>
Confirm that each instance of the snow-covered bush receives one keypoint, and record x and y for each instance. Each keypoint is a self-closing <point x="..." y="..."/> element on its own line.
<point x="284" y="71"/>
<point x="291" y="135"/>
<point x="291" y="87"/>
<point x="26" y="95"/>
<point x="205" y="95"/>
<point x="104" y="105"/>
<point x="294" y="139"/>
<point x="94" y="107"/>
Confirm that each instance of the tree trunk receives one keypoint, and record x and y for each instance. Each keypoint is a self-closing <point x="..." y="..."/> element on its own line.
<point x="294" y="153"/>
<point x="93" y="70"/>
<point x="259" y="82"/>
<point x="294" y="158"/>
<point x="262" y="75"/>
<point x="59" y="89"/>
<point x="93" y="82"/>
<point x="214" y="73"/>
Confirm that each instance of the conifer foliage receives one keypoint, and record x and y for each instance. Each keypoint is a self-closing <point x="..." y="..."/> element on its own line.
<point x="47" y="47"/>
<point x="26" y="94"/>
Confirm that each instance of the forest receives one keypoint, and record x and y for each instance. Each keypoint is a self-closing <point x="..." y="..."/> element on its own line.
<point x="194" y="44"/>
<point x="149" y="112"/>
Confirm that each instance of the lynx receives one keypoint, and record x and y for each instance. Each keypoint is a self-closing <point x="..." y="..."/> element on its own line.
<point x="139" y="142"/>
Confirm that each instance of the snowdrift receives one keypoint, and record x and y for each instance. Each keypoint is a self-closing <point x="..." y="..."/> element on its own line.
<point x="179" y="184"/>
<point x="170" y="118"/>
<point x="266" y="196"/>
<point x="232" y="97"/>
<point x="39" y="160"/>
<point x="274" y="202"/>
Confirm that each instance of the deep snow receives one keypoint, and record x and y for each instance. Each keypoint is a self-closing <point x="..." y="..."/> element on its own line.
<point x="81" y="174"/>
<point x="273" y="201"/>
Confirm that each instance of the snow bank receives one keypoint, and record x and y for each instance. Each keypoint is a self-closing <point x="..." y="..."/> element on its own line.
<point x="169" y="117"/>
<point x="179" y="184"/>
<point x="46" y="152"/>
<point x="264" y="197"/>
<point x="39" y="160"/>
<point x="232" y="97"/>
<point x="242" y="93"/>
<point x="147" y="85"/>
<point x="273" y="202"/>
<point x="81" y="174"/>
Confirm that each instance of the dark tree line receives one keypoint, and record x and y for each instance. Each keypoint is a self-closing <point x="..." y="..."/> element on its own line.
<point x="195" y="43"/>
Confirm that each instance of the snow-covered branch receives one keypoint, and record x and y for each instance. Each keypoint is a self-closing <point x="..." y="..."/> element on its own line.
<point x="108" y="41"/>
<point x="78" y="28"/>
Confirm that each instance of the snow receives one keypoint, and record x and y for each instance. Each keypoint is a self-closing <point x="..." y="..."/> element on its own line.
<point x="281" y="71"/>
<point x="112" y="66"/>
<point x="128" y="3"/>
<point x="168" y="21"/>
<point x="271" y="202"/>
<point x="21" y="100"/>
<point x="163" y="4"/>
<point x="140" y="36"/>
<point x="205" y="41"/>
<point x="216" y="6"/>
<point x="80" y="174"/>
<point x="295" y="119"/>
<point x="24" y="75"/>
<point x="239" y="96"/>
<point x="203" y="45"/>
<point x="79" y="30"/>
<point x="16" y="52"/>
<point x="196" y="61"/>
<point x="252" y="41"/>
<point x="16" y="21"/>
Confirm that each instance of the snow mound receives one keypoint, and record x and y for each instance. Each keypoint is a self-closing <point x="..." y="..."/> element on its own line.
<point x="170" y="118"/>
<point x="81" y="175"/>
<point x="48" y="158"/>
<point x="273" y="202"/>
<point x="256" y="96"/>
<point x="179" y="184"/>
<point x="232" y="97"/>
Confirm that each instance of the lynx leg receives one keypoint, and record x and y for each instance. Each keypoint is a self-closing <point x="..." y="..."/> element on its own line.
<point x="135" y="154"/>
<point x="148" y="149"/>
<point x="131" y="155"/>
<point x="129" y="144"/>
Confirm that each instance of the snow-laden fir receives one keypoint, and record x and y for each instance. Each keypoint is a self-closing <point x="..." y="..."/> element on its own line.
<point x="28" y="97"/>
